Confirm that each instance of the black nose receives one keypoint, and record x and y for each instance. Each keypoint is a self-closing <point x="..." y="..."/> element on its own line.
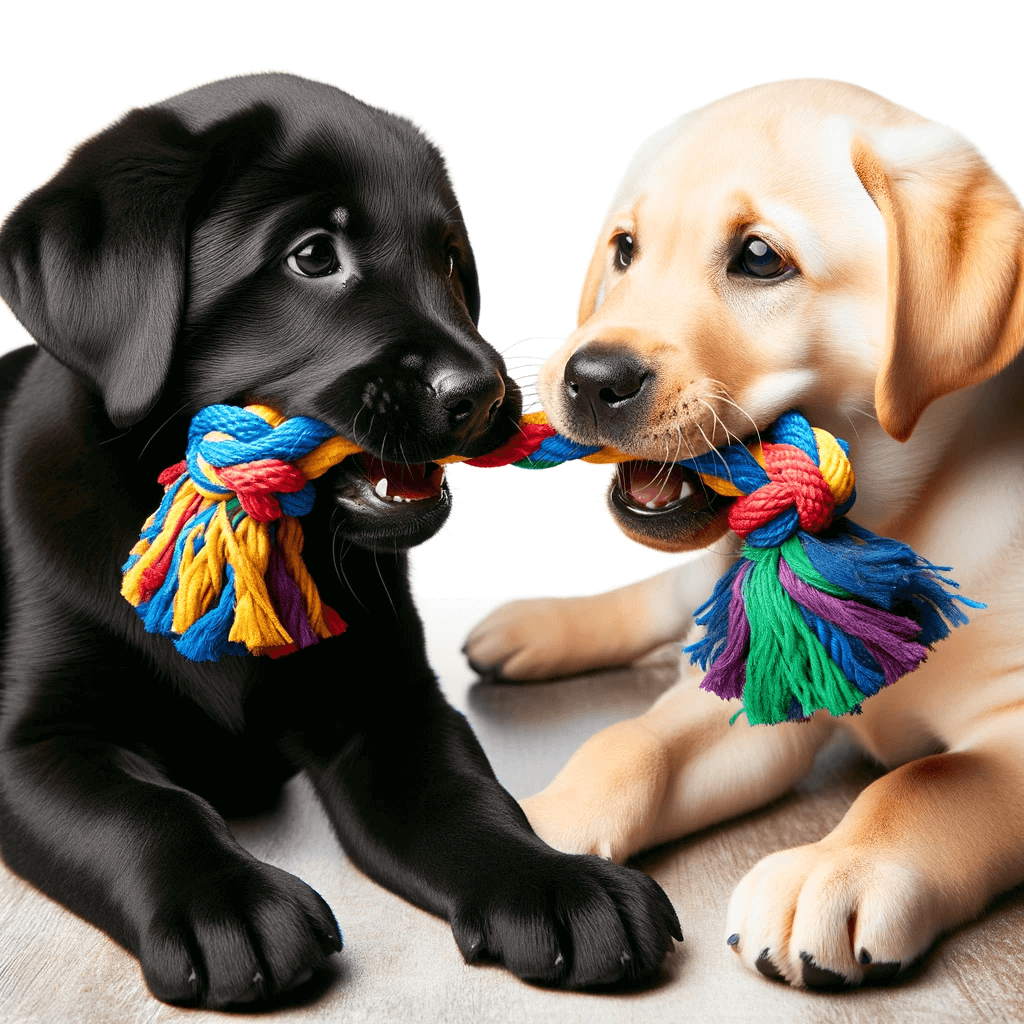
<point x="470" y="401"/>
<point x="606" y="379"/>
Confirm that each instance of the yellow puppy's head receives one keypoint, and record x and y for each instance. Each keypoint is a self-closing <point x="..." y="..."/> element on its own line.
<point x="803" y="244"/>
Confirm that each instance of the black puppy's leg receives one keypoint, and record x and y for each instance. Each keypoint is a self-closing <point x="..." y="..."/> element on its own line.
<point x="417" y="806"/>
<point x="100" y="829"/>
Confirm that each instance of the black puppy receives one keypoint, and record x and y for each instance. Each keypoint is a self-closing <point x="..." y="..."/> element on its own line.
<point x="258" y="239"/>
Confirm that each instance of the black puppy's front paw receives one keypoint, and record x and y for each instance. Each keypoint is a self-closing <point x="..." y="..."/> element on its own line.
<point x="570" y="921"/>
<point x="236" y="936"/>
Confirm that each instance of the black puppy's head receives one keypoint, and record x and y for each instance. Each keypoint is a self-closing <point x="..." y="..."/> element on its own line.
<point x="272" y="239"/>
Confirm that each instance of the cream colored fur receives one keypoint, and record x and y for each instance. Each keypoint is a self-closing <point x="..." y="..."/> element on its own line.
<point x="901" y="333"/>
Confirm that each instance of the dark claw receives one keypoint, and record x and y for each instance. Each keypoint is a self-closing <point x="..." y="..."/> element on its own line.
<point x="764" y="964"/>
<point x="332" y="942"/>
<point x="487" y="675"/>
<point x="883" y="971"/>
<point x="821" y="977"/>
<point x="469" y="937"/>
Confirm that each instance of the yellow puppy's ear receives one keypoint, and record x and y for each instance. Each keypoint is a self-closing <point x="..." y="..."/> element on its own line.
<point x="955" y="246"/>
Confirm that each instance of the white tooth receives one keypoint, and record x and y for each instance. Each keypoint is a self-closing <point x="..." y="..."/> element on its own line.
<point x="652" y="504"/>
<point x="382" y="487"/>
<point x="685" y="490"/>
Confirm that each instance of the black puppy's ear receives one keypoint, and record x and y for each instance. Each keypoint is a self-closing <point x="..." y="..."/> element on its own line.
<point x="93" y="263"/>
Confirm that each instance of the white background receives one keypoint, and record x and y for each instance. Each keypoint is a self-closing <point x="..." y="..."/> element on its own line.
<point x="538" y="107"/>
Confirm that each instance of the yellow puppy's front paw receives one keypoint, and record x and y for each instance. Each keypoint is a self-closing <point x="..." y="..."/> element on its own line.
<point x="827" y="917"/>
<point x="536" y="639"/>
<point x="607" y="799"/>
<point x="567" y="826"/>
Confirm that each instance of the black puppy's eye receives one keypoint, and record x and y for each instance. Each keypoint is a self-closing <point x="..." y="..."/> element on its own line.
<point x="624" y="246"/>
<point x="451" y="264"/>
<point x="315" y="258"/>
<point x="759" y="259"/>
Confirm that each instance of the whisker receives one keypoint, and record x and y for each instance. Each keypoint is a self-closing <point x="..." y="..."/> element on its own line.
<point x="178" y="412"/>
<point x="868" y="413"/>
<point x="384" y="585"/>
<point x="683" y="440"/>
<point x="338" y="557"/>
<point x="369" y="431"/>
<point x="715" y="421"/>
<point x="518" y="426"/>
<point x="726" y="397"/>
<point x="679" y="441"/>
<point x="712" y="448"/>
<point x="355" y="433"/>
<point x="537" y="337"/>
<point x="666" y="467"/>
<point x="125" y="433"/>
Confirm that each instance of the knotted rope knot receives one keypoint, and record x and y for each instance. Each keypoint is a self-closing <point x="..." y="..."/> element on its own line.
<point x="261" y="457"/>
<point x="795" y="482"/>
<point x="800" y="479"/>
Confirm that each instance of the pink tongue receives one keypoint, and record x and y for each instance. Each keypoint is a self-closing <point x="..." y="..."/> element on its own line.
<point x="414" y="482"/>
<point x="652" y="484"/>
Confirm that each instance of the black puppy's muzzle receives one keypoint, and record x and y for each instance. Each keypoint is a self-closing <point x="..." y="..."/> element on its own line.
<point x="470" y="402"/>
<point x="420" y="418"/>
<point x="394" y="494"/>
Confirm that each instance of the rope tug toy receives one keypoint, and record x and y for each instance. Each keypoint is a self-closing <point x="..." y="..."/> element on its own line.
<point x="818" y="612"/>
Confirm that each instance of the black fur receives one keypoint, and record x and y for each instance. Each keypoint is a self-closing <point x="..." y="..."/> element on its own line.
<point x="153" y="272"/>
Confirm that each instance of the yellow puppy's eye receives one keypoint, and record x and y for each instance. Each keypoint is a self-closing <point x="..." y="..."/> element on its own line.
<point x="624" y="247"/>
<point x="759" y="259"/>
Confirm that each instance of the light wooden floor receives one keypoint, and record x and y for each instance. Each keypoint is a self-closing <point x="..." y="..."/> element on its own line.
<point x="401" y="965"/>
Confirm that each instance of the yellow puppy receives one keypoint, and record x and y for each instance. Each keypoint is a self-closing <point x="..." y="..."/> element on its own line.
<point x="805" y="244"/>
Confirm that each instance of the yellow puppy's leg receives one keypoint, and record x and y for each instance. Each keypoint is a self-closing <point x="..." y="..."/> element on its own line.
<point x="547" y="637"/>
<point x="676" y="769"/>
<point x="920" y="851"/>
